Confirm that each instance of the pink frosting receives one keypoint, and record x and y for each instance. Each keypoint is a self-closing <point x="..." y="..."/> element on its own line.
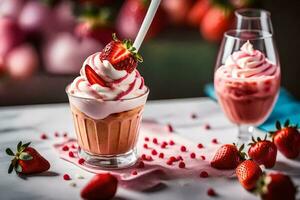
<point x="120" y="84"/>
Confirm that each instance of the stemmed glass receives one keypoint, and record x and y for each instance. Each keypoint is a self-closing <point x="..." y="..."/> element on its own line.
<point x="247" y="78"/>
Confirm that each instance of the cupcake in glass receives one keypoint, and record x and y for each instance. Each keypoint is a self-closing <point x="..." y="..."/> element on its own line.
<point x="107" y="102"/>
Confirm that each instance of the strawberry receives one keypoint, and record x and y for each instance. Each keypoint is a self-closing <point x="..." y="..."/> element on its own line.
<point x="287" y="139"/>
<point x="263" y="152"/>
<point x="216" y="21"/>
<point x="197" y="12"/>
<point x="248" y="173"/>
<point x="276" y="186"/>
<point x="121" y="54"/>
<point x="93" y="77"/>
<point x="101" y="187"/>
<point x="27" y="160"/>
<point x="177" y="10"/>
<point x="228" y="157"/>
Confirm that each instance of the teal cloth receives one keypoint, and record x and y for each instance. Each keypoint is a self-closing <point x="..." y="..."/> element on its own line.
<point x="286" y="107"/>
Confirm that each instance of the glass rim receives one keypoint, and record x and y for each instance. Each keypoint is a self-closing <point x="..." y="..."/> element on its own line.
<point x="238" y="13"/>
<point x="227" y="34"/>
<point x="101" y="100"/>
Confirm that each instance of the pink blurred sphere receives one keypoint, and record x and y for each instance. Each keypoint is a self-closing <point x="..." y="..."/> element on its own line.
<point x="11" y="8"/>
<point x="22" y="62"/>
<point x="65" y="53"/>
<point x="64" y="18"/>
<point x="10" y="35"/>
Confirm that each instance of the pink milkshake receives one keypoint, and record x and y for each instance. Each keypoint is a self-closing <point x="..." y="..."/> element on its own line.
<point x="247" y="86"/>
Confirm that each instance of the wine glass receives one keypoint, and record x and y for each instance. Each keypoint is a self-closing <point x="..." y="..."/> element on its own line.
<point x="253" y="19"/>
<point x="247" y="78"/>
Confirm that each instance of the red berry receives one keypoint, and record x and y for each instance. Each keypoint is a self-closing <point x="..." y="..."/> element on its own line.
<point x="141" y="164"/>
<point x="214" y="141"/>
<point x="203" y="174"/>
<point x="149" y="158"/>
<point x="211" y="192"/>
<point x="155" y="141"/>
<point x="145" y="146"/>
<point x="163" y="146"/>
<point x="143" y="157"/>
<point x="170" y="128"/>
<point x="171" y="142"/>
<point x="181" y="164"/>
<point x="154" y="152"/>
<point x="56" y="134"/>
<point x="146" y="139"/>
<point x="193" y="155"/>
<point x="169" y="162"/>
<point x="71" y="154"/>
<point x="200" y="146"/>
<point x="65" y="148"/>
<point x="173" y="159"/>
<point x="183" y="148"/>
<point x="81" y="161"/>
<point x="134" y="172"/>
<point x="161" y="155"/>
<point x="66" y="177"/>
<point x="73" y="146"/>
<point x="207" y="126"/>
<point x="202" y="157"/>
<point x="179" y="158"/>
<point x="44" y="136"/>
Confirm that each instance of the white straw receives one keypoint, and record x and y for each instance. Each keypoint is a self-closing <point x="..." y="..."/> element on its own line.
<point x="146" y="23"/>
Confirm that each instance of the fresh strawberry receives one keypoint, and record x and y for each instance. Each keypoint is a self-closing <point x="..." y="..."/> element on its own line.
<point x="287" y="139"/>
<point x="93" y="77"/>
<point x="197" y="12"/>
<point x="248" y="173"/>
<point x="131" y="16"/>
<point x="276" y="186"/>
<point x="216" y="21"/>
<point x="228" y="157"/>
<point x="176" y="10"/>
<point x="263" y="152"/>
<point x="121" y="54"/>
<point x="101" y="187"/>
<point x="27" y="160"/>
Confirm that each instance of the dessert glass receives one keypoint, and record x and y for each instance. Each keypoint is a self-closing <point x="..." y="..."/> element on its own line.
<point x="107" y="137"/>
<point x="246" y="89"/>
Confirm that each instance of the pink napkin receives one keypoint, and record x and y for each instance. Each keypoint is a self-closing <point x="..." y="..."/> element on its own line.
<point x="157" y="170"/>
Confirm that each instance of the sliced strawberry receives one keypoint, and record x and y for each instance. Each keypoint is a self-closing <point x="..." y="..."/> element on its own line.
<point x="93" y="77"/>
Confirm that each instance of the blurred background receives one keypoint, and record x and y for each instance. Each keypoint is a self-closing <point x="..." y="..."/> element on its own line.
<point x="44" y="42"/>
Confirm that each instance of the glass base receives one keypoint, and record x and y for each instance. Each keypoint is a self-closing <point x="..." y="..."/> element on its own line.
<point x="109" y="161"/>
<point x="245" y="133"/>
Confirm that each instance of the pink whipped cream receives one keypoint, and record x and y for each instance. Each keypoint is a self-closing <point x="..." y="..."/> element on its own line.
<point x="121" y="84"/>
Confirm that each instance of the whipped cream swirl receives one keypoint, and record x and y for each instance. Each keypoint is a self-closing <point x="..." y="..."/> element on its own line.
<point x="119" y="83"/>
<point x="248" y="63"/>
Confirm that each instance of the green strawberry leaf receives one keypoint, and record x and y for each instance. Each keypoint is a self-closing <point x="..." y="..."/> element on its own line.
<point x="278" y="125"/>
<point x="25" y="156"/>
<point x="287" y="123"/>
<point x="9" y="152"/>
<point x="10" y="168"/>
<point x="19" y="146"/>
<point x="26" y="144"/>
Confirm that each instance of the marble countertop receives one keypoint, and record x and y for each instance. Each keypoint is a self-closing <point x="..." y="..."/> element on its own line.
<point x="26" y="123"/>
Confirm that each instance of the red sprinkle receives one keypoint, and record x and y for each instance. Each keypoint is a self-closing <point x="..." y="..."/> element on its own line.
<point x="193" y="155"/>
<point x="161" y="155"/>
<point x="193" y="116"/>
<point x="203" y="174"/>
<point x="65" y="134"/>
<point x="170" y="128"/>
<point x="71" y="154"/>
<point x="66" y="177"/>
<point x="81" y="161"/>
<point x="171" y="142"/>
<point x="134" y="172"/>
<point x="179" y="158"/>
<point x="144" y="157"/>
<point x="44" y="136"/>
<point x="214" y="141"/>
<point x="181" y="164"/>
<point x="146" y="139"/>
<point x="207" y="126"/>
<point x="163" y="145"/>
<point x="155" y="141"/>
<point x="200" y="146"/>
<point x="173" y="159"/>
<point x="65" y="148"/>
<point x="141" y="164"/>
<point x="169" y="162"/>
<point x="56" y="134"/>
<point x="183" y="148"/>
<point x="211" y="192"/>
<point x="154" y="152"/>
<point x="73" y="146"/>
<point x="145" y="146"/>
<point x="149" y="158"/>
<point x="202" y="157"/>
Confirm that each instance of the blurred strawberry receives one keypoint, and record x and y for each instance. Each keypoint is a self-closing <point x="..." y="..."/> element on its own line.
<point x="132" y="15"/>
<point x="216" y="21"/>
<point x="22" y="62"/>
<point x="96" y="2"/>
<point x="64" y="20"/>
<point x="197" y="12"/>
<point x="11" y="8"/>
<point x="176" y="10"/>
<point x="10" y="36"/>
<point x="241" y="3"/>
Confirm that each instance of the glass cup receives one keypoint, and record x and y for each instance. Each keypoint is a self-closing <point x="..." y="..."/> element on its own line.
<point x="247" y="100"/>
<point x="107" y="131"/>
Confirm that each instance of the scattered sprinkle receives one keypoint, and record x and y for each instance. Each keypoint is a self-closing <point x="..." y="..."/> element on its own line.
<point x="181" y="164"/>
<point x="73" y="146"/>
<point x="207" y="126"/>
<point x="145" y="146"/>
<point x="56" y="134"/>
<point x="149" y="158"/>
<point x="146" y="139"/>
<point x="211" y="192"/>
<point x="202" y="157"/>
<point x="71" y="154"/>
<point x="193" y="116"/>
<point x="155" y="141"/>
<point x="65" y="134"/>
<point x="179" y="158"/>
<point x="44" y="136"/>
<point x="193" y="155"/>
<point x="214" y="141"/>
<point x="163" y="145"/>
<point x="141" y="164"/>
<point x="65" y="148"/>
<point x="81" y="161"/>
<point x="173" y="159"/>
<point x="200" y="146"/>
<point x="134" y="172"/>
<point x="161" y="155"/>
<point x="143" y="156"/>
<point x="183" y="148"/>
<point x="171" y="142"/>
<point x="73" y="184"/>
<point x="203" y="174"/>
<point x="170" y="128"/>
<point x="154" y="152"/>
<point x="169" y="162"/>
<point x="66" y="177"/>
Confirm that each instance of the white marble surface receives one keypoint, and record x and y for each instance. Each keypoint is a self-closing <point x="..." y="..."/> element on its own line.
<point x="27" y="122"/>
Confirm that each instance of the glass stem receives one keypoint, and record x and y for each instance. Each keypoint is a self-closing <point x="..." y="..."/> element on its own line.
<point x="245" y="133"/>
